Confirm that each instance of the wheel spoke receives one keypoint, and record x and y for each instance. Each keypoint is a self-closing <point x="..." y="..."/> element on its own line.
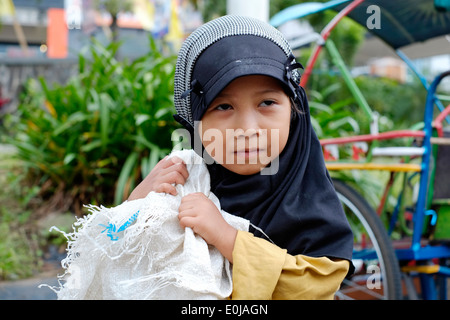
<point x="377" y="274"/>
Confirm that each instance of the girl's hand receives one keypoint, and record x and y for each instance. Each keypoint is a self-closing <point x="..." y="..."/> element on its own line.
<point x="167" y="172"/>
<point x="202" y="216"/>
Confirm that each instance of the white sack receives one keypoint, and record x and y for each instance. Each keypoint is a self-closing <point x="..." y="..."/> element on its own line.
<point x="151" y="256"/>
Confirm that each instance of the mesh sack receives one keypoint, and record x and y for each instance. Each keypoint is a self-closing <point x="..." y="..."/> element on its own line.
<point x="138" y="250"/>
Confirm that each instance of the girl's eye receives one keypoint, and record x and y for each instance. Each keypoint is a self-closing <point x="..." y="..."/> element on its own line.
<point x="267" y="103"/>
<point x="223" y="107"/>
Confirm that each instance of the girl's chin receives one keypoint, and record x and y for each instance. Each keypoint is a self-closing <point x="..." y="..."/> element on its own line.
<point x="245" y="168"/>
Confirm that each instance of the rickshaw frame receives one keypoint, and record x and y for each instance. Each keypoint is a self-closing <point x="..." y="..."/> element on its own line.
<point x="416" y="251"/>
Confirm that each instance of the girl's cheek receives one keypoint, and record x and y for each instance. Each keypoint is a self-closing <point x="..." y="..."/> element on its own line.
<point x="213" y="142"/>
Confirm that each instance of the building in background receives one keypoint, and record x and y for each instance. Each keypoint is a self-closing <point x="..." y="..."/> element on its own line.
<point x="58" y="29"/>
<point x="42" y="31"/>
<point x="389" y="67"/>
<point x="29" y="17"/>
<point x="43" y="38"/>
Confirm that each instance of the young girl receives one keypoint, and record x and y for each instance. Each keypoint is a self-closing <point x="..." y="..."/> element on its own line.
<point x="237" y="77"/>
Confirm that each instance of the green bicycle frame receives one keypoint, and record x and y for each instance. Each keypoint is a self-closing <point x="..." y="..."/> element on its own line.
<point x="349" y="81"/>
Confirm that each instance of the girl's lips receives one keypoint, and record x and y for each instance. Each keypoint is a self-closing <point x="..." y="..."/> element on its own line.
<point x="248" y="153"/>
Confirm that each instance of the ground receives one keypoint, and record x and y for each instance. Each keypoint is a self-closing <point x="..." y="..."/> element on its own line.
<point x="27" y="289"/>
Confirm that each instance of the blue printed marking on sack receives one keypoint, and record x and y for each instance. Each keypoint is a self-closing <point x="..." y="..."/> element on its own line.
<point x="111" y="228"/>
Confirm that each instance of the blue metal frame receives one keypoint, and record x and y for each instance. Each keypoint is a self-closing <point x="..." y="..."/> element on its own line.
<point x="302" y="10"/>
<point x="424" y="177"/>
<point x="421" y="77"/>
<point x="416" y="251"/>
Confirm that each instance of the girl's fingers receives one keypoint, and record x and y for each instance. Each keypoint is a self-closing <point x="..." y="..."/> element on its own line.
<point x="167" y="173"/>
<point x="174" y="177"/>
<point x="185" y="209"/>
<point x="191" y="200"/>
<point x="168" y="182"/>
<point x="167" y="162"/>
<point x="179" y="167"/>
<point x="187" y="222"/>
<point x="167" y="188"/>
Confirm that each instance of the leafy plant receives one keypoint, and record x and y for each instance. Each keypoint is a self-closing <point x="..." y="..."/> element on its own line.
<point x="331" y="119"/>
<point x="17" y="259"/>
<point x="92" y="139"/>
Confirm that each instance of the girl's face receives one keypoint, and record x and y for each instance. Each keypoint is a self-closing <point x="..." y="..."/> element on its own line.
<point x="247" y="124"/>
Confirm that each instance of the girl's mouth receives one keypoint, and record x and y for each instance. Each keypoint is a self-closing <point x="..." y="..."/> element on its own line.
<point x="247" y="153"/>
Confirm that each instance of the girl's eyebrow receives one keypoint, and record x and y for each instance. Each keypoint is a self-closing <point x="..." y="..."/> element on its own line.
<point x="223" y="95"/>
<point x="262" y="91"/>
<point x="269" y="90"/>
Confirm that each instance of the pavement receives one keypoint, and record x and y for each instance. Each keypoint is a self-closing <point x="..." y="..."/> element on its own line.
<point x="28" y="289"/>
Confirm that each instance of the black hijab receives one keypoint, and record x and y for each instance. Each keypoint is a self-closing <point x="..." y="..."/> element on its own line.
<point x="296" y="206"/>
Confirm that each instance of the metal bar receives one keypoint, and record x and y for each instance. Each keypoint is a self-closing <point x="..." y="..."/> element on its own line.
<point x="337" y="18"/>
<point x="423" y="185"/>
<point x="442" y="284"/>
<point x="444" y="271"/>
<point x="302" y="10"/>
<point x="383" y="199"/>
<point x="351" y="84"/>
<point x="397" y="151"/>
<point x="428" y="269"/>
<point x="310" y="65"/>
<point x="437" y="123"/>
<point x="440" y="141"/>
<point x="396" y="167"/>
<point x="423" y="253"/>
<point x="325" y="34"/>
<point x="422" y="79"/>
<point x="412" y="66"/>
<point x="428" y="286"/>
<point x="370" y="137"/>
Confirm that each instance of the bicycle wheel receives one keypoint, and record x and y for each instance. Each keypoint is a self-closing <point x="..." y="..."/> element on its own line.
<point x="377" y="272"/>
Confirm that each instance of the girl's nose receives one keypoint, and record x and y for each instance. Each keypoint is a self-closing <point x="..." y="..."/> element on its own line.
<point x="249" y="133"/>
<point x="247" y="122"/>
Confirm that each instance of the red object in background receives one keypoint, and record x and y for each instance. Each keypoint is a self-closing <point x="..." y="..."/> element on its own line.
<point x="57" y="34"/>
<point x="4" y="101"/>
<point x="437" y="123"/>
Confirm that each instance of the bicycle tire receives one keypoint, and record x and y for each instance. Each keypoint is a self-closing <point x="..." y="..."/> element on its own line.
<point x="389" y="266"/>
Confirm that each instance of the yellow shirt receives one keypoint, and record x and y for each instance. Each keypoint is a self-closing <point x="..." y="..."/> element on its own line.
<point x="263" y="271"/>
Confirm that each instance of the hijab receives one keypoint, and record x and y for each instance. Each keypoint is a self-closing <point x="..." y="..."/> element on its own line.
<point x="296" y="206"/>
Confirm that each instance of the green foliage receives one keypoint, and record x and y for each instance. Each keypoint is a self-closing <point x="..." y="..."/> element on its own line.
<point x="213" y="9"/>
<point x="331" y="119"/>
<point x="19" y="253"/>
<point x="399" y="105"/>
<point x="92" y="139"/>
<point x="17" y="259"/>
<point x="402" y="103"/>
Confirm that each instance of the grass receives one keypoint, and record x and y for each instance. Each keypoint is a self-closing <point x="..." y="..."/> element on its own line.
<point x="19" y="246"/>
<point x="24" y="236"/>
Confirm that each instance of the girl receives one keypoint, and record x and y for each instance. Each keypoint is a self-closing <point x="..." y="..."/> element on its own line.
<point x="236" y="76"/>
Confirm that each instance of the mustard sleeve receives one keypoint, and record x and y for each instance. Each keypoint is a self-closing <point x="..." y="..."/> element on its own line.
<point x="263" y="271"/>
